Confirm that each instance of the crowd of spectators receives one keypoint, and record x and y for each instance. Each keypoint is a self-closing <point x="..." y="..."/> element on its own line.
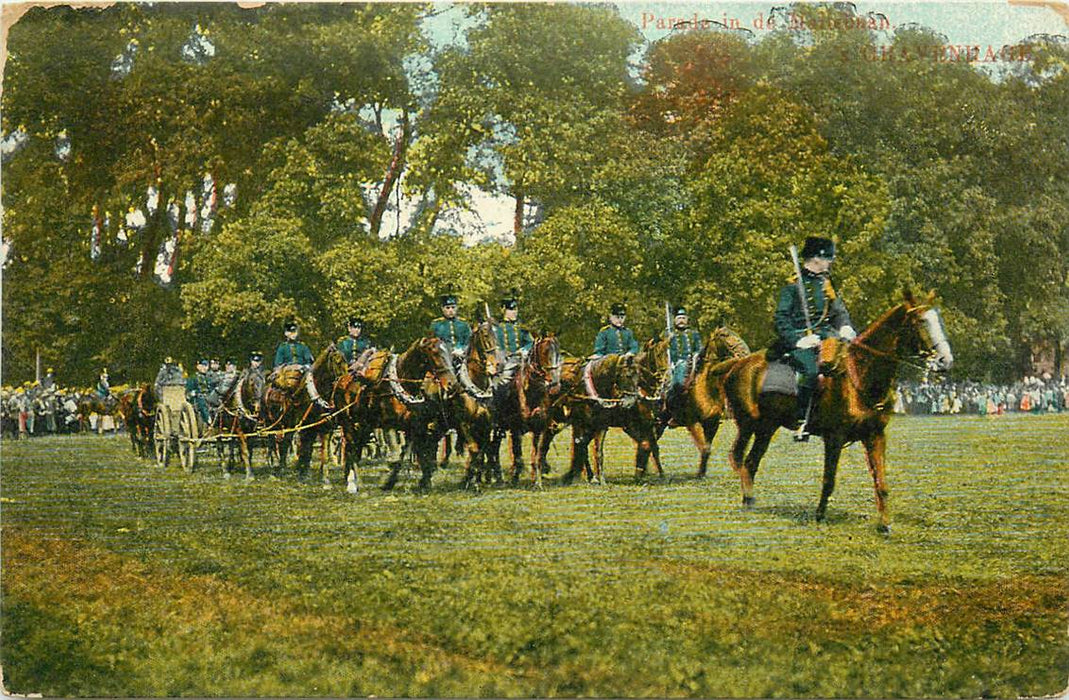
<point x="1029" y="395"/>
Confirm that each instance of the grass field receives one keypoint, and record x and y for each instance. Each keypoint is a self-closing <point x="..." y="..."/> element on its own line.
<point x="122" y="579"/>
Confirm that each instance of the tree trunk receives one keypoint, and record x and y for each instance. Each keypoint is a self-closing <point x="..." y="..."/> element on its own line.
<point x="517" y="218"/>
<point x="392" y="173"/>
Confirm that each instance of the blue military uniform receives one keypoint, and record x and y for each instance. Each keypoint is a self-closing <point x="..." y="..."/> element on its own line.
<point x="454" y="331"/>
<point x="827" y="314"/>
<point x="512" y="337"/>
<point x="612" y="340"/>
<point x="351" y="347"/>
<point x="615" y="341"/>
<point x="683" y="345"/>
<point x="198" y="387"/>
<point x="291" y="352"/>
<point x="103" y="389"/>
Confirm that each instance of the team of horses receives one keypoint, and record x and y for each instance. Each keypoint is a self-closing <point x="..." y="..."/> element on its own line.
<point x="426" y="394"/>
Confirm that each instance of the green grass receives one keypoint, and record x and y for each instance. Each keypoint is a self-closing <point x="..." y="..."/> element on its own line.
<point x="123" y="579"/>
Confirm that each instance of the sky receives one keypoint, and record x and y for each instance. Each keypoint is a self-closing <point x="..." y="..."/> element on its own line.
<point x="991" y="23"/>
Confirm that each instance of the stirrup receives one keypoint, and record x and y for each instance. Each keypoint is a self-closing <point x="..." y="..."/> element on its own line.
<point x="801" y="435"/>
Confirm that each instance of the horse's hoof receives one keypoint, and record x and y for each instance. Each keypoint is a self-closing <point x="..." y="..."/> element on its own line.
<point x="326" y="487"/>
<point x="747" y="502"/>
<point x="819" y="516"/>
<point x="249" y="479"/>
<point x="883" y="529"/>
<point x="351" y="488"/>
<point x="226" y="475"/>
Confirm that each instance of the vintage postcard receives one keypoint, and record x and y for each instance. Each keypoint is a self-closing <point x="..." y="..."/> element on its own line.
<point x="443" y="349"/>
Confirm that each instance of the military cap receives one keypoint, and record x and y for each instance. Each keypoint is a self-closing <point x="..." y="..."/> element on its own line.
<point x="202" y="361"/>
<point x="168" y="360"/>
<point x="680" y="311"/>
<point x="618" y="309"/>
<point x="48" y="371"/>
<point x="231" y="361"/>
<point x="448" y="299"/>
<point x="356" y="322"/>
<point x="510" y="300"/>
<point x="817" y="247"/>
<point x="256" y="356"/>
<point x="291" y="326"/>
<point x="104" y="372"/>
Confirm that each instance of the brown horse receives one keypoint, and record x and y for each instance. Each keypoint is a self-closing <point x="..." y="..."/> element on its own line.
<point x="523" y="406"/>
<point x="409" y="392"/>
<point x="288" y="408"/>
<point x="237" y="420"/>
<point x="89" y="403"/>
<point x="701" y="405"/>
<point x="853" y="403"/>
<point x="603" y="395"/>
<point x="480" y="377"/>
<point x="138" y="410"/>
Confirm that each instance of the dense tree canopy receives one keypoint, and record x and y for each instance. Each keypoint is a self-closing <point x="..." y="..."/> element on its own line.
<point x="183" y="178"/>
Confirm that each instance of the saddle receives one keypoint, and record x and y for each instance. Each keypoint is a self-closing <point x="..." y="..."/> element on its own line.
<point x="781" y="378"/>
<point x="286" y="378"/>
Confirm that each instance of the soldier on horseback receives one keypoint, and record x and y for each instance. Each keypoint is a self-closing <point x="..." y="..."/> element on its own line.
<point x="801" y="328"/>
<point x="615" y="338"/>
<point x="355" y="347"/>
<point x="450" y="329"/>
<point x="256" y="363"/>
<point x="512" y="337"/>
<point x="293" y="352"/>
<point x="103" y="389"/>
<point x="684" y="346"/>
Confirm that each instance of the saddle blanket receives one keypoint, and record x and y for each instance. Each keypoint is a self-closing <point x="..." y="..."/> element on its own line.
<point x="780" y="379"/>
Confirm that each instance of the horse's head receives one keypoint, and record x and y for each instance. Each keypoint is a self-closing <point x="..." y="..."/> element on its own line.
<point x="925" y="335"/>
<point x="725" y="343"/>
<point x="330" y="363"/>
<point x="651" y="364"/>
<point x="437" y="359"/>
<point x="484" y="350"/>
<point x="546" y="360"/>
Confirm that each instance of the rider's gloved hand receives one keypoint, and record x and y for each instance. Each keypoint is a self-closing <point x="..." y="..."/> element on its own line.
<point x="810" y="340"/>
<point x="847" y="333"/>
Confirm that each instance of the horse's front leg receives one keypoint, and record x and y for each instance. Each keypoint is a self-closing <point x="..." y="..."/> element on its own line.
<point x="833" y="448"/>
<point x="516" y="447"/>
<point x="599" y="456"/>
<point x="875" y="445"/>
<point x="325" y="457"/>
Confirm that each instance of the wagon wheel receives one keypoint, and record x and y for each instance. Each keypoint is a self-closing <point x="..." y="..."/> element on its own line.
<point x="161" y="436"/>
<point x="187" y="437"/>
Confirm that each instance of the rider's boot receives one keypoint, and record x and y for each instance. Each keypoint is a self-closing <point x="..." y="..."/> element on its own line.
<point x="804" y="406"/>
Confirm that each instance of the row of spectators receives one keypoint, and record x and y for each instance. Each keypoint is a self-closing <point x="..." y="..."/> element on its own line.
<point x="1029" y="395"/>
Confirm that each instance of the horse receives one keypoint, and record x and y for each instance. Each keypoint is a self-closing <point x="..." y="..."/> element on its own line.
<point x="524" y="407"/>
<point x="700" y="407"/>
<point x="238" y="418"/>
<point x="90" y="403"/>
<point x="138" y="410"/>
<point x="854" y="400"/>
<point x="481" y="375"/>
<point x="382" y="397"/>
<point x="602" y="395"/>
<point x="288" y="408"/>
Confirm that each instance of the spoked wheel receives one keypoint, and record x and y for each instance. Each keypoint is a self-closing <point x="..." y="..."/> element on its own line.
<point x="162" y="437"/>
<point x="187" y="438"/>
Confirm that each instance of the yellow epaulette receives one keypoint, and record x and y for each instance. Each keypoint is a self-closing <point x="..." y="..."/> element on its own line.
<point x="440" y="318"/>
<point x="606" y="327"/>
<point x="340" y="338"/>
<point x="829" y="291"/>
